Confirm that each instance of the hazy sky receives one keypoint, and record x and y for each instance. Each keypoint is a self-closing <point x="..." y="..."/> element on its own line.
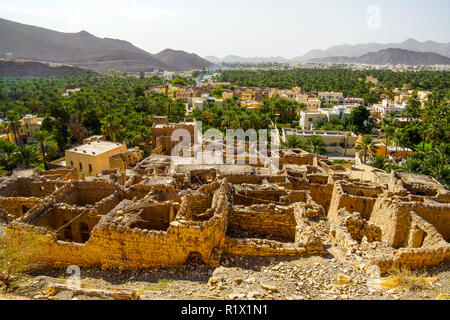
<point x="285" y="28"/>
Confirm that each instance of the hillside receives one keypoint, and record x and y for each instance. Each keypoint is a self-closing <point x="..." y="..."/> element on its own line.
<point x="391" y="56"/>
<point x="362" y="49"/>
<point x="82" y="49"/>
<point x="180" y="60"/>
<point x="36" y="69"/>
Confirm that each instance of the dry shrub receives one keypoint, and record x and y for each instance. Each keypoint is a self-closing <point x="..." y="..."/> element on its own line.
<point x="405" y="279"/>
<point x="19" y="252"/>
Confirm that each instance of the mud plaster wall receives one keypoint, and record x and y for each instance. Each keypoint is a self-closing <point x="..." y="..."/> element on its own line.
<point x="29" y="188"/>
<point x="18" y="206"/>
<point x="321" y="194"/>
<point x="263" y="219"/>
<point x="391" y="215"/>
<point x="341" y="198"/>
<point x="58" y="217"/>
<point x="117" y="247"/>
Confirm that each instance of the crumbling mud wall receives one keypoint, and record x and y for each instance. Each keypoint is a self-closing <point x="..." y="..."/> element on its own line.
<point x="166" y="214"/>
<point x="277" y="221"/>
<point x="113" y="245"/>
<point x="18" y="206"/>
<point x="391" y="214"/>
<point x="354" y="198"/>
<point x="348" y="229"/>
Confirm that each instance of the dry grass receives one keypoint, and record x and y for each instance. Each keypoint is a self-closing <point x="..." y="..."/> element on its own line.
<point x="161" y="284"/>
<point x="342" y="279"/>
<point x="404" y="279"/>
<point x="19" y="253"/>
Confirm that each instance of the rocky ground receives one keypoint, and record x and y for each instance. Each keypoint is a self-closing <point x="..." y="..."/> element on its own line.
<point x="335" y="276"/>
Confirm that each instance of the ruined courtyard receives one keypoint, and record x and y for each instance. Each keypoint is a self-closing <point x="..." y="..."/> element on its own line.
<point x="165" y="214"/>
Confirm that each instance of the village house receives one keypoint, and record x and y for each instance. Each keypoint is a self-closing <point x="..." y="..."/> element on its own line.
<point x="29" y="125"/>
<point x="91" y="158"/>
<point x="331" y="97"/>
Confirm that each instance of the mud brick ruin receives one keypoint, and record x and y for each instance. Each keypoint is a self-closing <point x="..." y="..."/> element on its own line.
<point x="167" y="213"/>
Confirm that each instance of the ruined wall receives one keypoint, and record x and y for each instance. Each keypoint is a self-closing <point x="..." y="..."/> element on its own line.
<point x="263" y="247"/>
<point x="18" y="206"/>
<point x="28" y="187"/>
<point x="82" y="193"/>
<point x="78" y="231"/>
<point x="391" y="214"/>
<point x="115" y="246"/>
<point x="412" y="258"/>
<point x="348" y="230"/>
<point x="320" y="193"/>
<point x="263" y="219"/>
<point x="354" y="198"/>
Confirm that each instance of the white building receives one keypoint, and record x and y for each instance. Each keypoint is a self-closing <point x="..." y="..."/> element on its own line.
<point x="335" y="141"/>
<point x="331" y="97"/>
<point x="308" y="119"/>
<point x="387" y="107"/>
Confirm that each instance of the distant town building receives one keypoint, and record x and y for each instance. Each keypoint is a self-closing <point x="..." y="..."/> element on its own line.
<point x="331" y="97"/>
<point x="29" y="125"/>
<point x="335" y="141"/>
<point x="386" y="107"/>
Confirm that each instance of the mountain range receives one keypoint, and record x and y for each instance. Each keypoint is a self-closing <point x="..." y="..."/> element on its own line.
<point x="391" y="56"/>
<point x="338" y="53"/>
<point x="362" y="49"/>
<point x="85" y="50"/>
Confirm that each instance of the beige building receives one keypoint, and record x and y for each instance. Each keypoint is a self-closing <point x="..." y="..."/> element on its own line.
<point x="331" y="97"/>
<point x="93" y="157"/>
<point x="311" y="103"/>
<point x="30" y="124"/>
<point x="335" y="141"/>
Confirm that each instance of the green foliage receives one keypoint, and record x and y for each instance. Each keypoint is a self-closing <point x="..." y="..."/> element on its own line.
<point x="350" y="82"/>
<point x="379" y="162"/>
<point x="27" y="157"/>
<point x="179" y="81"/>
<point x="365" y="147"/>
<point x="293" y="142"/>
<point x="316" y="145"/>
<point x="112" y="104"/>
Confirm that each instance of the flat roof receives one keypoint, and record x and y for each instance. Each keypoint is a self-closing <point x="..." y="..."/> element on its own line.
<point x="96" y="147"/>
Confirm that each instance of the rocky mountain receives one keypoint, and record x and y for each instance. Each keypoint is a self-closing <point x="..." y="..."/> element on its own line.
<point x="238" y="59"/>
<point x="181" y="60"/>
<point x="362" y="49"/>
<point x="85" y="50"/>
<point x="391" y="56"/>
<point x="37" y="69"/>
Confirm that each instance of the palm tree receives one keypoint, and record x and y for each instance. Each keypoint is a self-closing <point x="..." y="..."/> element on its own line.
<point x="141" y="137"/>
<point x="13" y="125"/>
<point x="27" y="156"/>
<point x="397" y="140"/>
<point x="7" y="150"/>
<point x="46" y="144"/>
<point x="316" y="145"/>
<point x="365" y="146"/>
<point x="293" y="142"/>
<point x="111" y="127"/>
<point x="379" y="162"/>
<point x="227" y="120"/>
<point x="413" y="165"/>
<point x="388" y="133"/>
